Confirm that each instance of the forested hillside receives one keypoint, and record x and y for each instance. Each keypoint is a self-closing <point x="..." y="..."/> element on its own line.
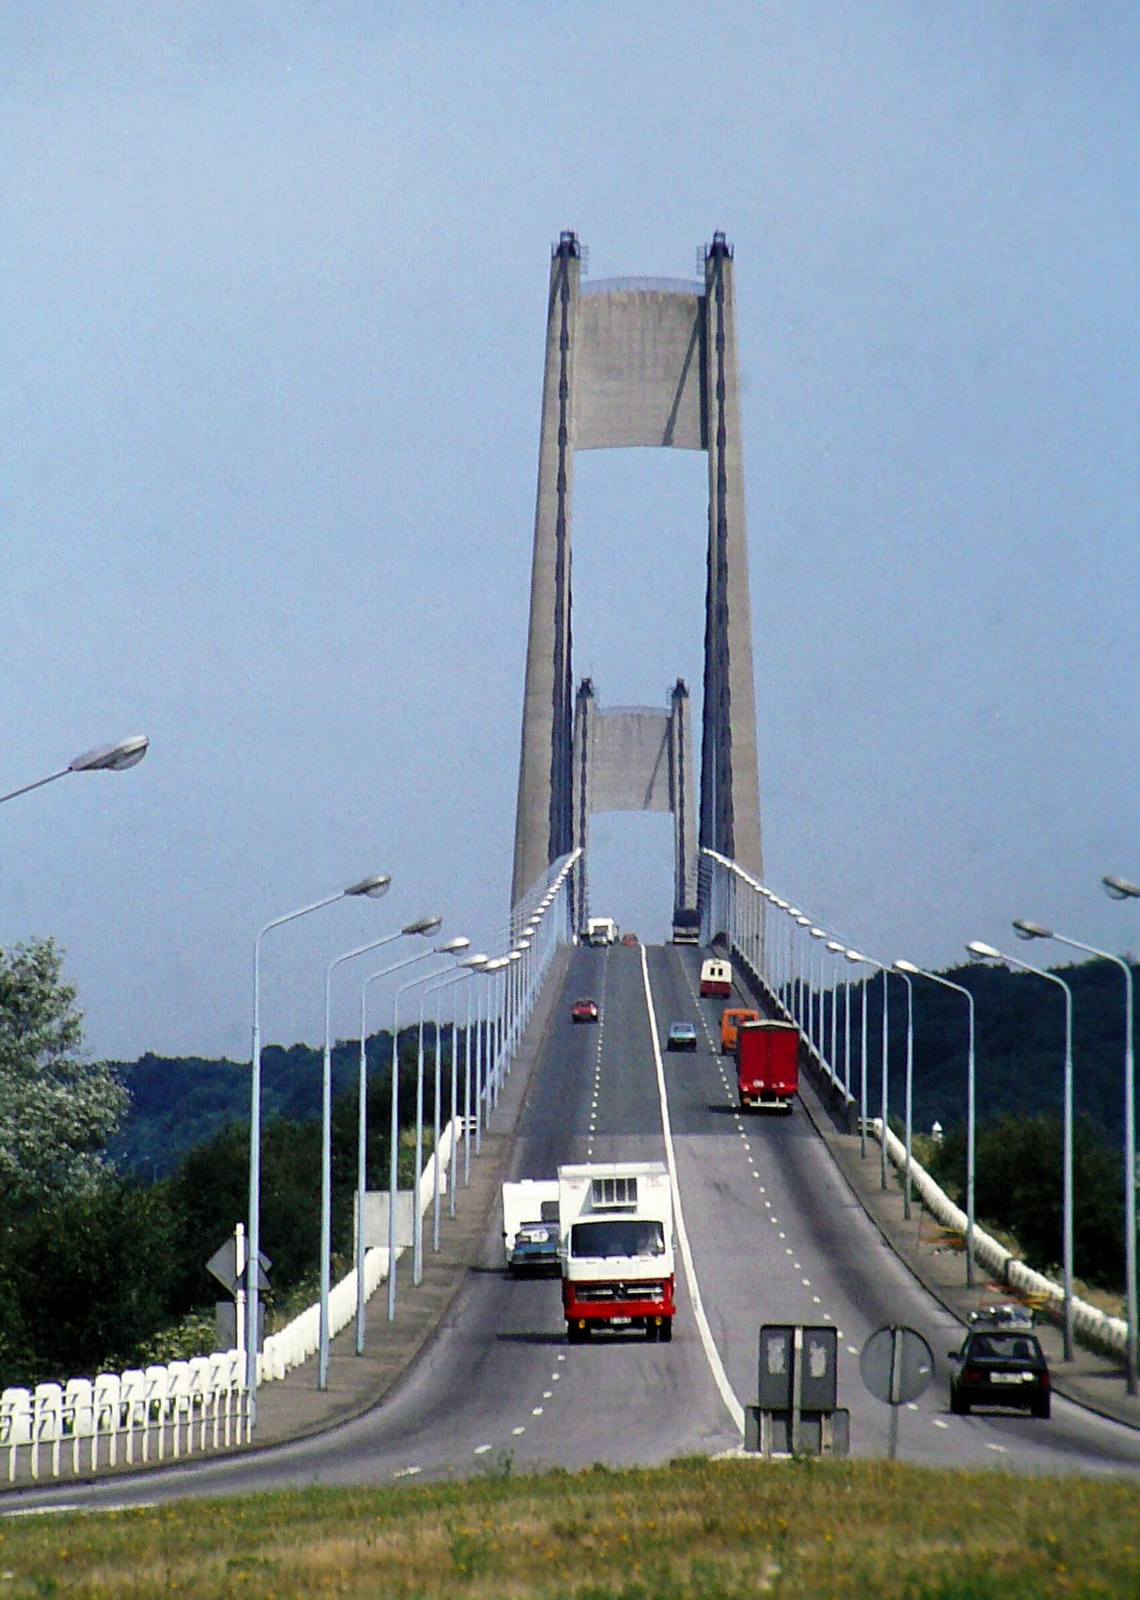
<point x="178" y="1103"/>
<point x="1019" y="1047"/>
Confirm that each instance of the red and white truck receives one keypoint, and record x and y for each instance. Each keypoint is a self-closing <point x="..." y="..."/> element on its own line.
<point x="615" y="1222"/>
<point x="767" y="1064"/>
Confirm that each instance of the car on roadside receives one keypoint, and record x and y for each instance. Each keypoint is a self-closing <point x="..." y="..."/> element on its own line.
<point x="1000" y="1363"/>
<point x="629" y="938"/>
<point x="681" y="1036"/>
<point x="584" y="1010"/>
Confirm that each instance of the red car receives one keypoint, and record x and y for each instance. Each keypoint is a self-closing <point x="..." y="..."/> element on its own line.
<point x="584" y="1011"/>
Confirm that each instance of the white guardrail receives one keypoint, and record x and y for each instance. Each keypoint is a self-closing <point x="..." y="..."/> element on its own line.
<point x="1094" y="1328"/>
<point x="166" y="1412"/>
<point x="734" y="907"/>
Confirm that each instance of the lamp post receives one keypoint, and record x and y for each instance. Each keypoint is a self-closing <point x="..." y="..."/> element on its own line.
<point x="837" y="950"/>
<point x="988" y="953"/>
<point x="821" y="933"/>
<point x="971" y="1102"/>
<point x="857" y="959"/>
<point x="1121" y="889"/>
<point x="368" y="888"/>
<point x="1034" y="930"/>
<point x="902" y="968"/>
<point x="116" y="757"/>
<point x="417" y="1215"/>
<point x="803" y="1016"/>
<point x="451" y="946"/>
<point x="425" y="925"/>
<point x="488" y="1055"/>
<point x="467" y="966"/>
<point x="884" y="1090"/>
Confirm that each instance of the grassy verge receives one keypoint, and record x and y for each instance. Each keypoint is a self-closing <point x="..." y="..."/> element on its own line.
<point x="696" y="1530"/>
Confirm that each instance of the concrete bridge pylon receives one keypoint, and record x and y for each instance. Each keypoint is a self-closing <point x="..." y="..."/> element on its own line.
<point x="639" y="362"/>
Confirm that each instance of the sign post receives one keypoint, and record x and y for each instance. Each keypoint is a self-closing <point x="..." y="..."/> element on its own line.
<point x="896" y="1365"/>
<point x="229" y="1264"/>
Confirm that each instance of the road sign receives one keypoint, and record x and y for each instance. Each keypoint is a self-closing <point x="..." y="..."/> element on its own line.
<point x="222" y="1265"/>
<point x="896" y="1364"/>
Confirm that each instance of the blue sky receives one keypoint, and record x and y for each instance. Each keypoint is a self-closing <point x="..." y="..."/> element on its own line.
<point x="272" y="295"/>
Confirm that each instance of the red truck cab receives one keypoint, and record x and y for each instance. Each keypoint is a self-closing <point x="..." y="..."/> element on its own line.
<point x="767" y="1064"/>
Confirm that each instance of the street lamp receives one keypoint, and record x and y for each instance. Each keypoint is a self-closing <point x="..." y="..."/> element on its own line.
<point x="417" y="1217"/>
<point x="1033" y="930"/>
<point x="104" y="758"/>
<point x="449" y="948"/>
<point x="988" y="953"/>
<point x="884" y="1088"/>
<point x="857" y="959"/>
<point x="837" y="949"/>
<point x="971" y="1102"/>
<point x="370" y="888"/>
<point x="488" y="1057"/>
<point x="467" y="966"/>
<point x="1120" y="888"/>
<point x="423" y="925"/>
<point x="820" y="933"/>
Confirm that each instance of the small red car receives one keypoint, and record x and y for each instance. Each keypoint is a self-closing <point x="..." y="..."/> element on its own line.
<point x="629" y="938"/>
<point x="584" y="1011"/>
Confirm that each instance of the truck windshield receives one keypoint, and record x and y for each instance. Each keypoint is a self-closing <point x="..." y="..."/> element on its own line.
<point x="624" y="1236"/>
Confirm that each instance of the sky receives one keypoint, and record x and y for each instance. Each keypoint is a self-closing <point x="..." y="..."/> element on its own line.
<point x="272" y="312"/>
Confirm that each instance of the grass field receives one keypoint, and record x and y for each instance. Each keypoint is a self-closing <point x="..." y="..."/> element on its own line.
<point x="697" y="1530"/>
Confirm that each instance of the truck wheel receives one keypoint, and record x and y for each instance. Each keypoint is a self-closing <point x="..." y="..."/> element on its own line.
<point x="1041" y="1407"/>
<point x="652" y="1331"/>
<point x="665" y="1332"/>
<point x="575" y="1334"/>
<point x="959" y="1405"/>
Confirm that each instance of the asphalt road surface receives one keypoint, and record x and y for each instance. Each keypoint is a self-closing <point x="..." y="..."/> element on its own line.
<point x="773" y="1234"/>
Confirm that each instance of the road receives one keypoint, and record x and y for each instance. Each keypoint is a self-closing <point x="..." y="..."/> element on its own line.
<point x="775" y="1236"/>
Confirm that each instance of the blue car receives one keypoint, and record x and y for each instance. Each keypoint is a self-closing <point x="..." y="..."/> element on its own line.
<point x="682" y="1036"/>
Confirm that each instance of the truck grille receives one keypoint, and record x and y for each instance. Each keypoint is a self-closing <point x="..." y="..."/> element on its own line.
<point x="619" y="1291"/>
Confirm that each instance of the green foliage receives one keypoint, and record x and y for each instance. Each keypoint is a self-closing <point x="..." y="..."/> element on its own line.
<point x="178" y="1104"/>
<point x="116" y="1275"/>
<point x="1019" y="1187"/>
<point x="86" y="1280"/>
<point x="57" y="1111"/>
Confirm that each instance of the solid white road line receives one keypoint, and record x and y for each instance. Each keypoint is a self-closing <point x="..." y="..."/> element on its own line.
<point x="712" y="1355"/>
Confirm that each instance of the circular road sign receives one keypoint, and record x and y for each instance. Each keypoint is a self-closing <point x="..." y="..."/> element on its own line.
<point x="896" y="1364"/>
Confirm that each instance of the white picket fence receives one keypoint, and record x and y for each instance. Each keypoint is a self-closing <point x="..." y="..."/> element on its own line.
<point x="183" y="1407"/>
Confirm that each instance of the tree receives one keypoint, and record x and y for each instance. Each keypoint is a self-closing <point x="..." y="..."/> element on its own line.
<point x="57" y="1111"/>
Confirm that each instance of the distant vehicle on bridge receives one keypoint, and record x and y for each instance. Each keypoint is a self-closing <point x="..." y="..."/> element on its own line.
<point x="584" y="1010"/>
<point x="601" y="930"/>
<point x="682" y="1036"/>
<point x="716" y="980"/>
<point x="686" y="926"/>
<point x="730" y="1019"/>
<point x="629" y="938"/>
<point x="767" y="1064"/>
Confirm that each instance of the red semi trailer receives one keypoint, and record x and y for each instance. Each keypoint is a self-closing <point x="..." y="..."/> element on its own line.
<point x="767" y="1064"/>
